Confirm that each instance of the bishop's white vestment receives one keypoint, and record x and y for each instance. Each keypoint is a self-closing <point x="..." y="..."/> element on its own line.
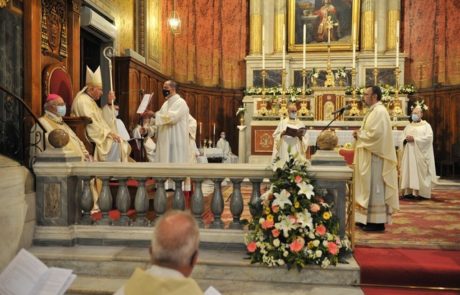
<point x="417" y="165"/>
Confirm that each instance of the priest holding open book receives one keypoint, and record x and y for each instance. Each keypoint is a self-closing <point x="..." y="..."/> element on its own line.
<point x="290" y="137"/>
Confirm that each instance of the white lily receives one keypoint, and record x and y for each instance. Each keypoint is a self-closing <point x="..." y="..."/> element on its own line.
<point x="304" y="219"/>
<point x="306" y="189"/>
<point x="265" y="195"/>
<point x="282" y="199"/>
<point x="285" y="226"/>
<point x="278" y="164"/>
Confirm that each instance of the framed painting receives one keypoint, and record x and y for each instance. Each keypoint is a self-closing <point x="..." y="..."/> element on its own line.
<point x="343" y="15"/>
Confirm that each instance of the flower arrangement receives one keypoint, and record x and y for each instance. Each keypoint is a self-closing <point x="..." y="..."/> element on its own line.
<point x="274" y="91"/>
<point x="359" y="90"/>
<point x="296" y="226"/>
<point x="340" y="74"/>
<point x="421" y="104"/>
<point x="407" y="89"/>
<point x="314" y="73"/>
<point x="241" y="111"/>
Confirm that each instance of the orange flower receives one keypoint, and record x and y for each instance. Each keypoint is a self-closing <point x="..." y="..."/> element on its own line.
<point x="251" y="247"/>
<point x="332" y="248"/>
<point x="297" y="245"/>
<point x="298" y="179"/>
<point x="275" y="232"/>
<point x="275" y="208"/>
<point x="314" y="208"/>
<point x="268" y="224"/>
<point x="321" y="230"/>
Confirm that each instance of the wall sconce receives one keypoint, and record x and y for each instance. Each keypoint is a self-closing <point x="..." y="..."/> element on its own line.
<point x="174" y="21"/>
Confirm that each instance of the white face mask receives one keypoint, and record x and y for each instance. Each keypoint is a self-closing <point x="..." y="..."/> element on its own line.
<point x="61" y="110"/>
<point x="292" y="115"/>
<point x="116" y="113"/>
<point x="415" y="118"/>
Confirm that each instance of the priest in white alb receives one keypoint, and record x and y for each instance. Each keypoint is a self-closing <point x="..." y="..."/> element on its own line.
<point x="417" y="165"/>
<point x="375" y="177"/>
<point x="285" y="143"/>
<point x="109" y="145"/>
<point x="172" y="121"/>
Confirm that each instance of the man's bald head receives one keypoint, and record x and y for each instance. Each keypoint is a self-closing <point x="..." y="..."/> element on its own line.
<point x="175" y="240"/>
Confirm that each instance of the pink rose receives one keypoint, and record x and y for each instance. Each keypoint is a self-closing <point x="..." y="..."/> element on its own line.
<point x="268" y="224"/>
<point x="321" y="230"/>
<point x="292" y="219"/>
<point x="298" y="179"/>
<point x="251" y="247"/>
<point x="275" y="208"/>
<point x="332" y="248"/>
<point x="297" y="245"/>
<point x="314" y="208"/>
<point x="275" y="232"/>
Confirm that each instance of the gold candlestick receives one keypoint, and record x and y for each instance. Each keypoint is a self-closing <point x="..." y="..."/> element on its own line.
<point x="397" y="111"/>
<point x="263" y="105"/>
<point x="354" y="111"/>
<point x="303" y="104"/>
<point x="376" y="74"/>
<point x="283" y="107"/>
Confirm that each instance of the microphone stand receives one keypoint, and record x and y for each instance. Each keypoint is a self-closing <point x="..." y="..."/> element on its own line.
<point x="338" y="114"/>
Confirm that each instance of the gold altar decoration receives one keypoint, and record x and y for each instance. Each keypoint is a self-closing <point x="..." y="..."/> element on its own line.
<point x="330" y="81"/>
<point x="263" y="106"/>
<point x="354" y="111"/>
<point x="283" y="105"/>
<point x="3" y="3"/>
<point x="397" y="111"/>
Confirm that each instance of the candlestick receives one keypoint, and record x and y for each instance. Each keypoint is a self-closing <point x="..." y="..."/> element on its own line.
<point x="214" y="128"/>
<point x="354" y="47"/>
<point x="263" y="47"/>
<point x="375" y="44"/>
<point x="397" y="44"/>
<point x="304" y="44"/>
<point x="201" y="127"/>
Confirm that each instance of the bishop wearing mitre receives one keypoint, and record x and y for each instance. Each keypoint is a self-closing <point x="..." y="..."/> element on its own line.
<point x="110" y="146"/>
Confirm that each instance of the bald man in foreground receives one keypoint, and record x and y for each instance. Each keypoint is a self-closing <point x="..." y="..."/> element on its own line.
<point x="173" y="253"/>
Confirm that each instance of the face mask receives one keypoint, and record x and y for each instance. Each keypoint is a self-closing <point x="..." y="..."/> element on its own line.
<point x="222" y="136"/>
<point x="415" y="118"/>
<point x="292" y="115"/>
<point x="116" y="113"/>
<point x="61" y="110"/>
<point x="166" y="92"/>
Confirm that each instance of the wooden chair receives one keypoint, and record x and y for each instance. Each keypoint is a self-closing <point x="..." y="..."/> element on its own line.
<point x="57" y="80"/>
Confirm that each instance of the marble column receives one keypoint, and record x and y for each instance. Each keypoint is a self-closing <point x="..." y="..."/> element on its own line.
<point x="255" y="24"/>
<point x="280" y="24"/>
<point x="367" y="24"/>
<point x="394" y="12"/>
<point x="381" y="8"/>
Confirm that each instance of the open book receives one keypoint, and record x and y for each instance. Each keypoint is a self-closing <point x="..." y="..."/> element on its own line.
<point x="295" y="132"/>
<point x="27" y="275"/>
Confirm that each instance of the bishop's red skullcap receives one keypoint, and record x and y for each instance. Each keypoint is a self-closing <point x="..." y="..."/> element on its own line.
<point x="52" y="97"/>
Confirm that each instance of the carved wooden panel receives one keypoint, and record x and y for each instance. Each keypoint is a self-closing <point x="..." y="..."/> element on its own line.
<point x="54" y="28"/>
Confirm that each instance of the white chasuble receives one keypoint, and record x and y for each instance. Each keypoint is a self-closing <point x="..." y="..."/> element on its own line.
<point x="286" y="145"/>
<point x="417" y="165"/>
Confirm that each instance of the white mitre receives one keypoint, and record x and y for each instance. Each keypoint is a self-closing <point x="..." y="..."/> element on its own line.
<point x="93" y="78"/>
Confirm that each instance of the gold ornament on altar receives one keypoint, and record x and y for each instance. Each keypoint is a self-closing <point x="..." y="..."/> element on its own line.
<point x="327" y="140"/>
<point x="3" y="3"/>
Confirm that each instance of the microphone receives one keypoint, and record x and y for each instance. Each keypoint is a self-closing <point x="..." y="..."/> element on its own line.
<point x="341" y="110"/>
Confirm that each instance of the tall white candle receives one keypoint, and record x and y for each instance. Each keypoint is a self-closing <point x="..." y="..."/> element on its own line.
<point x="304" y="44"/>
<point x="201" y="128"/>
<point x="375" y="44"/>
<point x="263" y="47"/>
<point x="214" y="129"/>
<point x="397" y="44"/>
<point x="354" y="46"/>
<point x="284" y="47"/>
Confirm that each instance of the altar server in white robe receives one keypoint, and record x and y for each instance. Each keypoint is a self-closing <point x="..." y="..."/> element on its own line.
<point x="110" y="114"/>
<point x="417" y="165"/>
<point x="109" y="145"/>
<point x="172" y="122"/>
<point x="284" y="144"/>
<point x="376" y="177"/>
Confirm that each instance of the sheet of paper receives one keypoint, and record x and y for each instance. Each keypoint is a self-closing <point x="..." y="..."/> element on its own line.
<point x="22" y="274"/>
<point x="122" y="130"/>
<point x="144" y="103"/>
<point x="211" y="291"/>
<point x="56" y="282"/>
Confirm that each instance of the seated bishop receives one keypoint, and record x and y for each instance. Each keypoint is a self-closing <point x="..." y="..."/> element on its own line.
<point x="110" y="146"/>
<point x="290" y="137"/>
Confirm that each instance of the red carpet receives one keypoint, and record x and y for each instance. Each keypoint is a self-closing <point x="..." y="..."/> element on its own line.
<point x="409" y="267"/>
<point x="401" y="291"/>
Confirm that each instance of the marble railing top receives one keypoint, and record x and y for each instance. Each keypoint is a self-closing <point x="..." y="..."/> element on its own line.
<point x="157" y="170"/>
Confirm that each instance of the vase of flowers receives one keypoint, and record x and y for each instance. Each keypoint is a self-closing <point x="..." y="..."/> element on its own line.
<point x="240" y="112"/>
<point x="296" y="226"/>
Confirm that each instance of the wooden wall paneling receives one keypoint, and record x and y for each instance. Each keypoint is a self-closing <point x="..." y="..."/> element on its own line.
<point x="73" y="43"/>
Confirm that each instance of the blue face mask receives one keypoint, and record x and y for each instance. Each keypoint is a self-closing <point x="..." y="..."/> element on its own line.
<point x="61" y="110"/>
<point x="415" y="118"/>
<point x="292" y="115"/>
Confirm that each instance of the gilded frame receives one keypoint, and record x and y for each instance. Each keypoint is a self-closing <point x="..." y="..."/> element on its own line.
<point x="349" y="18"/>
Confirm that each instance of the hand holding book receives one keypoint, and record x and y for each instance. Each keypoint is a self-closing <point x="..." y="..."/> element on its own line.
<point x="295" y="132"/>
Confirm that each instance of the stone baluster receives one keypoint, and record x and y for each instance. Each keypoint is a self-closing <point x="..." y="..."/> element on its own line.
<point x="123" y="202"/>
<point x="217" y="204"/>
<point x="178" y="200"/>
<point x="255" y="206"/>
<point x="105" y="201"/>
<point x="141" y="203"/>
<point x="86" y="201"/>
<point x="236" y="204"/>
<point x="198" y="202"/>
<point x="159" y="203"/>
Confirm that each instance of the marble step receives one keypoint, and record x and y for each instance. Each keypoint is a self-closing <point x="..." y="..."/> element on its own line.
<point x="90" y="285"/>
<point x="221" y="264"/>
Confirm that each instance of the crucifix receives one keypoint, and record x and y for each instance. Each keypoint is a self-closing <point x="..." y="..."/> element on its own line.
<point x="329" y="76"/>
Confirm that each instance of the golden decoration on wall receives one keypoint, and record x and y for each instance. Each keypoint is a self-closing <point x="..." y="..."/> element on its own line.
<point x="3" y="3"/>
<point x="54" y="28"/>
